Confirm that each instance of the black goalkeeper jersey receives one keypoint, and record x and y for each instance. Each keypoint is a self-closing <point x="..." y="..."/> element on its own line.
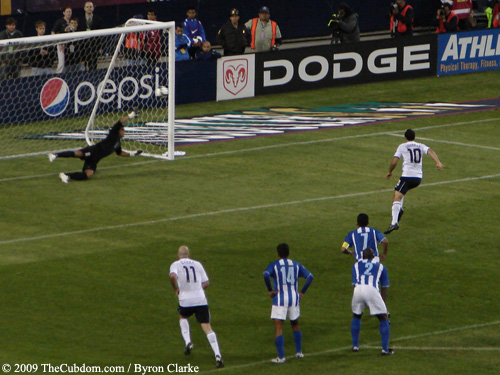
<point x="107" y="146"/>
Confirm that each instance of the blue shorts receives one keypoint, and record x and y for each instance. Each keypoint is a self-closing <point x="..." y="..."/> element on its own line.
<point x="406" y="183"/>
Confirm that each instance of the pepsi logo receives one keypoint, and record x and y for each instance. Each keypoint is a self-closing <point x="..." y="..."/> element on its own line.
<point x="54" y="97"/>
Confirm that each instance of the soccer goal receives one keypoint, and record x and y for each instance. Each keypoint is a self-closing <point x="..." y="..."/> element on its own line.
<point x="64" y="91"/>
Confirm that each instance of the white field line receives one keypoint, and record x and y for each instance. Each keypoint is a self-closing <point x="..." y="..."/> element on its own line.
<point x="372" y="346"/>
<point x="453" y="143"/>
<point x="439" y="348"/>
<point x="233" y="210"/>
<point x="261" y="148"/>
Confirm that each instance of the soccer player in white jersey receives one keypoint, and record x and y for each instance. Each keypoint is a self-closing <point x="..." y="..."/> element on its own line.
<point x="364" y="237"/>
<point x="412" y="153"/>
<point x="189" y="280"/>
<point x="286" y="298"/>
<point x="367" y="278"/>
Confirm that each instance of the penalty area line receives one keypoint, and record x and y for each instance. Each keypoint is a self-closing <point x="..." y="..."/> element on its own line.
<point x="234" y="210"/>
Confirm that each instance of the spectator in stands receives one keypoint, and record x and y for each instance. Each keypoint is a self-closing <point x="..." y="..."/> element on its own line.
<point x="464" y="12"/>
<point x="93" y="48"/>
<point x="182" y="43"/>
<point x="401" y="19"/>
<point x="74" y="52"/>
<point x="62" y="26"/>
<point x="9" y="63"/>
<point x="345" y="24"/>
<point x="207" y="53"/>
<point x="448" y="20"/>
<point x="42" y="59"/>
<point x="265" y="34"/>
<point x="194" y="30"/>
<point x="151" y="50"/>
<point x="232" y="36"/>
<point x="496" y="14"/>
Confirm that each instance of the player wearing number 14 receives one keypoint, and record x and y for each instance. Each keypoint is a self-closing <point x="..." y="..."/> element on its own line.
<point x="189" y="280"/>
<point x="286" y="298"/>
<point x="412" y="153"/>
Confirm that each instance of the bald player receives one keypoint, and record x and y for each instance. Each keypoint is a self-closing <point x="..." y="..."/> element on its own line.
<point x="189" y="280"/>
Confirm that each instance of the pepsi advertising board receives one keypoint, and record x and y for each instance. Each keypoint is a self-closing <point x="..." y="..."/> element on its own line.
<point x="468" y="52"/>
<point x="42" y="98"/>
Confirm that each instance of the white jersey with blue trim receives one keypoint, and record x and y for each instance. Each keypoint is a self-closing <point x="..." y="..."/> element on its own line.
<point x="285" y="274"/>
<point x="412" y="153"/>
<point x="366" y="272"/>
<point x="190" y="277"/>
<point x="363" y="238"/>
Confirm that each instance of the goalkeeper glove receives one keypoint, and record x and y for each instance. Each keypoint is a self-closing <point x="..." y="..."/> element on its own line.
<point x="135" y="153"/>
<point x="133" y="114"/>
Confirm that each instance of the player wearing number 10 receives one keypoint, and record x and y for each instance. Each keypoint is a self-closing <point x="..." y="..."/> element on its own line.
<point x="286" y="298"/>
<point x="189" y="280"/>
<point x="411" y="177"/>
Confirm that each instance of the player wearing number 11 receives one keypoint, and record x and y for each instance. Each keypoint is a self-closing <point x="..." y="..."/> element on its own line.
<point x="286" y="298"/>
<point x="412" y="153"/>
<point x="189" y="280"/>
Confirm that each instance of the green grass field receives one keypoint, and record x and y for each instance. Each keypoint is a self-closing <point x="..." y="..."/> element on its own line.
<point x="84" y="266"/>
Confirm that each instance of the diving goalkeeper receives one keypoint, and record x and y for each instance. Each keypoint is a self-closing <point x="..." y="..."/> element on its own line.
<point x="91" y="155"/>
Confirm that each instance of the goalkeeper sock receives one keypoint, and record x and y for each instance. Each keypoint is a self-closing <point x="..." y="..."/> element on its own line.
<point x="184" y="323"/>
<point x="66" y="154"/>
<point x="212" y="339"/>
<point x="396" y="207"/>
<point x="79" y="176"/>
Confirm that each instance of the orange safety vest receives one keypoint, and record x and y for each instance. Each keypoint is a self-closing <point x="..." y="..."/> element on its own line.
<point x="133" y="41"/>
<point x="255" y="21"/>
<point x="440" y="28"/>
<point x="401" y="27"/>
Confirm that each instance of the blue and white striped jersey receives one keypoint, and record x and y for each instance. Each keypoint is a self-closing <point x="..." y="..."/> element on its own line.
<point x="365" y="272"/>
<point x="285" y="274"/>
<point x="363" y="238"/>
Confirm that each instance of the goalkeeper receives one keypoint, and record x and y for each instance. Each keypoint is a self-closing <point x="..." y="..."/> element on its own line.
<point x="93" y="154"/>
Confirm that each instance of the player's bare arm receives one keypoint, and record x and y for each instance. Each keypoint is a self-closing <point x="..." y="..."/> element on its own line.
<point x="205" y="285"/>
<point x="385" y="245"/>
<point x="173" y="281"/>
<point x="383" y="293"/>
<point x="394" y="162"/>
<point x="434" y="156"/>
<point x="345" y="249"/>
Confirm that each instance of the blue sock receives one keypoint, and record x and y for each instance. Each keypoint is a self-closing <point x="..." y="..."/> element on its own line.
<point x="280" y="346"/>
<point x="355" y="329"/>
<point x="297" y="337"/>
<point x="385" y="333"/>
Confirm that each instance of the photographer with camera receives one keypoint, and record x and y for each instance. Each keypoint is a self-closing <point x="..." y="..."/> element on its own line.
<point x="401" y="19"/>
<point x="344" y="25"/>
<point x="448" y="20"/>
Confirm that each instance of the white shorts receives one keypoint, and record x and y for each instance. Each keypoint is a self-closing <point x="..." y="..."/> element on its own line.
<point x="281" y="312"/>
<point x="367" y="295"/>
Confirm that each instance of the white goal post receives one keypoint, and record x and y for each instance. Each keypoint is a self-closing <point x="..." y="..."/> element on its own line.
<point x="63" y="91"/>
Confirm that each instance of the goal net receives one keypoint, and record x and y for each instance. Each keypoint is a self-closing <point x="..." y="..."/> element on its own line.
<point x="64" y="91"/>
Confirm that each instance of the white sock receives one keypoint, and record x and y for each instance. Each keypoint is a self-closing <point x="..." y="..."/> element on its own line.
<point x="184" y="323"/>
<point x="396" y="207"/>
<point x="212" y="339"/>
<point x="402" y="200"/>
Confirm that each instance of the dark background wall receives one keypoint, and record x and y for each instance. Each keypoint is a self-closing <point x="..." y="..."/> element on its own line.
<point x="296" y="18"/>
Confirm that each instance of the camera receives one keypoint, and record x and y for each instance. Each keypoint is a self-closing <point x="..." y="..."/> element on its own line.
<point x="441" y="12"/>
<point x="334" y="25"/>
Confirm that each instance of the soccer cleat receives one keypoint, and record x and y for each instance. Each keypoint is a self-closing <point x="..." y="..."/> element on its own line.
<point x="355" y="349"/>
<point x="299" y="355"/>
<point x="400" y="215"/>
<point x="391" y="228"/>
<point x="218" y="362"/>
<point x="278" y="360"/>
<point x="52" y="157"/>
<point x="388" y="352"/>
<point x="187" y="350"/>
<point x="64" y="177"/>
